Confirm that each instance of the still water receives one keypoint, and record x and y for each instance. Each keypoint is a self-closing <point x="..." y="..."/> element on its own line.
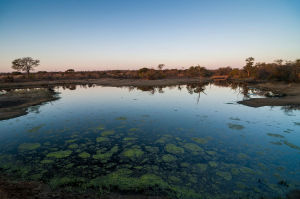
<point x="181" y="141"/>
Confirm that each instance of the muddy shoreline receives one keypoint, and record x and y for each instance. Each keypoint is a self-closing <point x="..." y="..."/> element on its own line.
<point x="289" y="95"/>
<point x="16" y="103"/>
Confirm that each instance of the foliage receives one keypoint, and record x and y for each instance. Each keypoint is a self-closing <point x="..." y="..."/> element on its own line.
<point x="26" y="64"/>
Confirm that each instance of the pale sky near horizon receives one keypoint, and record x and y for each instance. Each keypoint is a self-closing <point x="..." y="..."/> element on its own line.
<point x="118" y="34"/>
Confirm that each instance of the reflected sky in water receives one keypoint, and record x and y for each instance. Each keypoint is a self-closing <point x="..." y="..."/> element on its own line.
<point x="265" y="140"/>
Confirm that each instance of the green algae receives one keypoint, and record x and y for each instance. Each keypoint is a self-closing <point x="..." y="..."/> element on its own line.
<point x="47" y="161"/>
<point x="168" y="158"/>
<point x="291" y="145"/>
<point x="171" y="148"/>
<point x="73" y="146"/>
<point x="235" y="171"/>
<point x="29" y="146"/>
<point x="235" y="118"/>
<point x="235" y="126"/>
<point x="121" y="180"/>
<point x="100" y="128"/>
<point x="192" y="147"/>
<point x="105" y="156"/>
<point x="200" y="140"/>
<point x="121" y="118"/>
<point x="84" y="155"/>
<point x="202" y="167"/>
<point x="242" y="156"/>
<point x="152" y="149"/>
<point x="71" y="141"/>
<point x="59" y="154"/>
<point x="212" y="153"/>
<point x="133" y="129"/>
<point x="57" y="182"/>
<point x="35" y="129"/>
<point x="213" y="164"/>
<point x="108" y="133"/>
<point x="275" y="135"/>
<point x="225" y="175"/>
<point x="102" y="139"/>
<point x="129" y="139"/>
<point x="133" y="153"/>
<point x="246" y="170"/>
<point x="276" y="143"/>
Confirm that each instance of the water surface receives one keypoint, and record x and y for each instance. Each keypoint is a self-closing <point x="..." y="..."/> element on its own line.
<point x="181" y="141"/>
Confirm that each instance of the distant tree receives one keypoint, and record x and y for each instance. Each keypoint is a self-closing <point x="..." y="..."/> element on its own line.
<point x="160" y="66"/>
<point x="249" y="65"/>
<point x="25" y="64"/>
<point x="70" y="71"/>
<point x="278" y="62"/>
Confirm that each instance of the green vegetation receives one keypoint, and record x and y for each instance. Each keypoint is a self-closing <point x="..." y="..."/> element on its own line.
<point x="133" y="153"/>
<point x="171" y="148"/>
<point x="59" y="154"/>
<point x="84" y="155"/>
<point x="108" y="133"/>
<point x="29" y="146"/>
<point x="235" y="126"/>
<point x="275" y="135"/>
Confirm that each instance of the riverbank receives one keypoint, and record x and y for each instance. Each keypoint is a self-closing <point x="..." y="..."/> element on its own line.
<point x="284" y="95"/>
<point x="16" y="102"/>
<point x="104" y="82"/>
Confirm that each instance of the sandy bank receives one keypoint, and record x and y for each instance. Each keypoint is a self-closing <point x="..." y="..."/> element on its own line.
<point x="15" y="103"/>
<point x="291" y="93"/>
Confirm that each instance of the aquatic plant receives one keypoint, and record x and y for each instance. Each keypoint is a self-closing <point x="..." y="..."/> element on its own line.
<point x="121" y="118"/>
<point x="84" y="155"/>
<point x="102" y="139"/>
<point x="297" y="123"/>
<point x="235" y="118"/>
<point x="121" y="180"/>
<point x="200" y="140"/>
<point x="193" y="147"/>
<point x="133" y="129"/>
<point x="291" y="145"/>
<point x="47" y="161"/>
<point x="59" y="154"/>
<point x="168" y="158"/>
<point x="108" y="133"/>
<point x="66" y="180"/>
<point x="235" y="126"/>
<point x="36" y="128"/>
<point x="29" y="146"/>
<point x="275" y="135"/>
<point x="133" y="153"/>
<point x="202" y="167"/>
<point x="171" y="148"/>
<point x="152" y="149"/>
<point x="73" y="146"/>
<point x="213" y="163"/>
<point x="105" y="156"/>
<point x="226" y="175"/>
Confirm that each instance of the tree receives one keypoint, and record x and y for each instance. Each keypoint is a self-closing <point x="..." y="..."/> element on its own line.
<point x="249" y="65"/>
<point x="26" y="64"/>
<point x="160" y="66"/>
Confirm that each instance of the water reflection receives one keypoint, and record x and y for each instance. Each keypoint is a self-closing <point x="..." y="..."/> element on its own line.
<point x="156" y="140"/>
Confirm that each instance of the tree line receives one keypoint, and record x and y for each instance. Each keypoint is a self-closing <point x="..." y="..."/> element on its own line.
<point x="278" y="70"/>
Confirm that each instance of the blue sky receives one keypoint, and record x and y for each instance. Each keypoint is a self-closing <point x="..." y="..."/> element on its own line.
<point x="119" y="34"/>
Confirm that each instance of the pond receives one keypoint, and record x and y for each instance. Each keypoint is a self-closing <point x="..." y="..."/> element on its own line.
<point x="183" y="141"/>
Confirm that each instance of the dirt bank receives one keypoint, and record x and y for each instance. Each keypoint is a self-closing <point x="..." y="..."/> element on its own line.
<point x="105" y="82"/>
<point x="290" y="95"/>
<point x="16" y="103"/>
